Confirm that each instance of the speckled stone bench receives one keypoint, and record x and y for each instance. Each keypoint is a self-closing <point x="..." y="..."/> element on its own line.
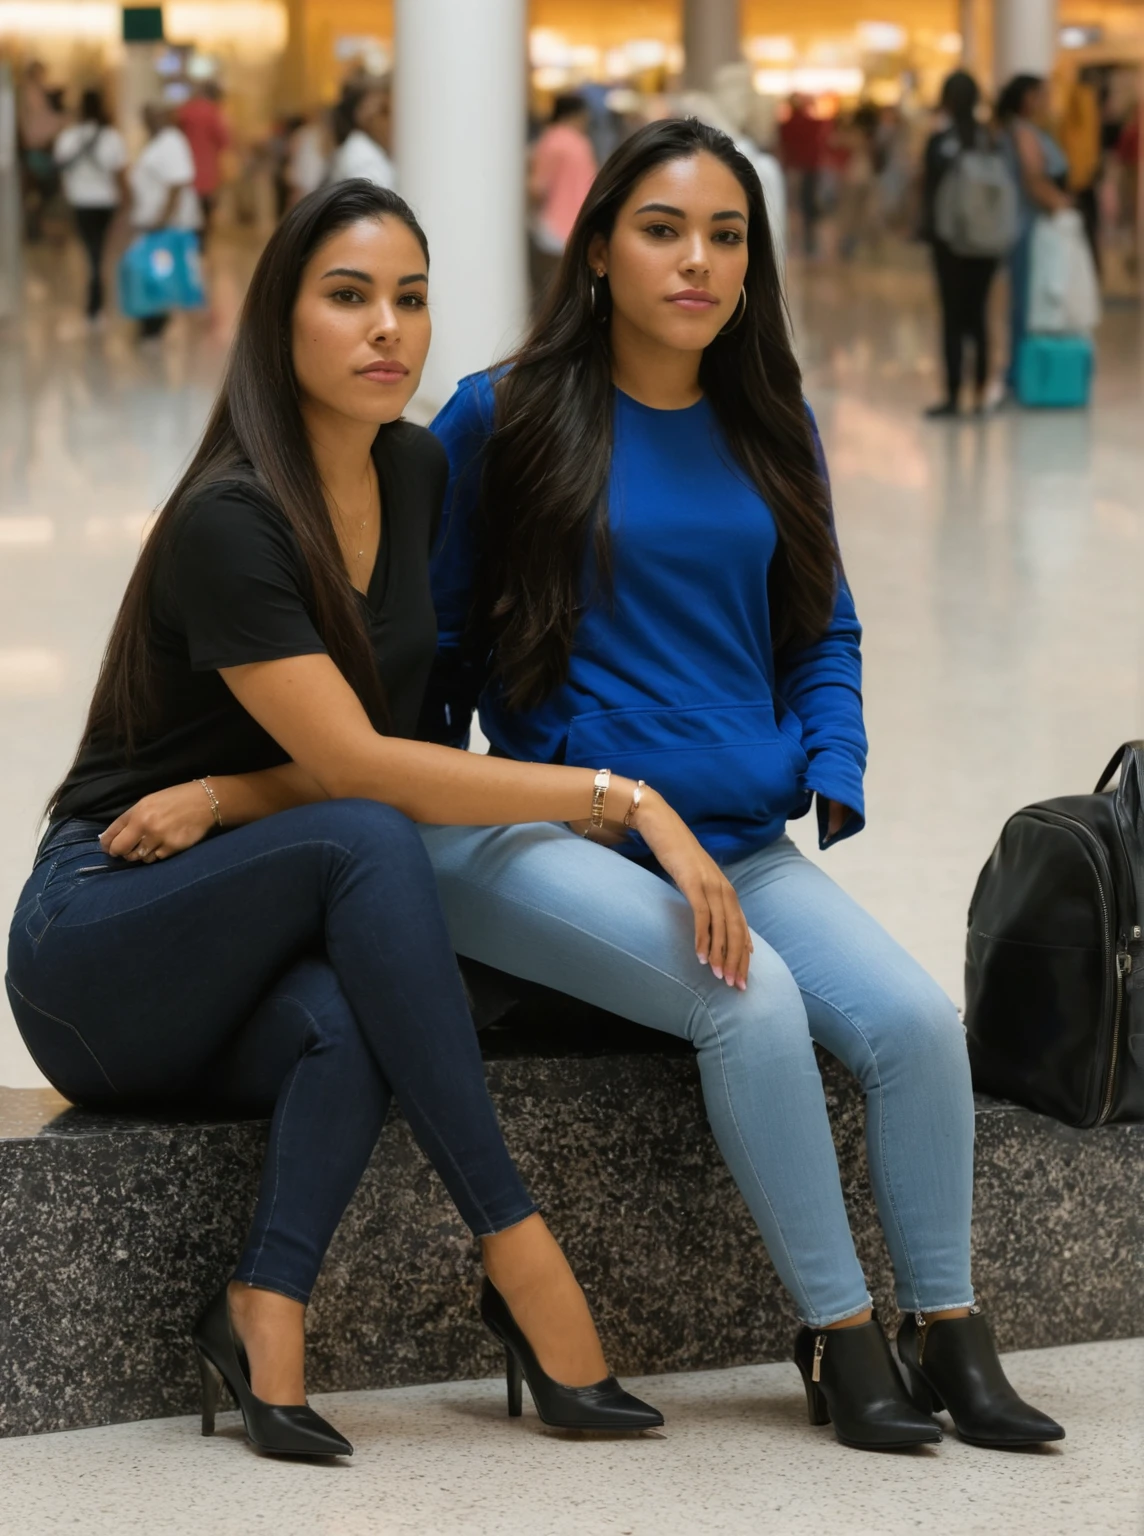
<point x="114" y="1231"/>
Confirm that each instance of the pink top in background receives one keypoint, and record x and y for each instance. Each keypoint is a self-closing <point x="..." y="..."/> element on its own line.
<point x="563" y="168"/>
<point x="203" y="123"/>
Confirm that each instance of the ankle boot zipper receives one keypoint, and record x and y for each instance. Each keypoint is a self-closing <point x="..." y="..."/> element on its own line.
<point x="816" y="1367"/>
<point x="920" y="1320"/>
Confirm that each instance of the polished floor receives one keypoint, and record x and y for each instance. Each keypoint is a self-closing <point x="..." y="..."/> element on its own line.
<point x="736" y="1458"/>
<point x="996" y="564"/>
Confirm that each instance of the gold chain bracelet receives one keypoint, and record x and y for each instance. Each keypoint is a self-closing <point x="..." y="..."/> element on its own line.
<point x="213" y="798"/>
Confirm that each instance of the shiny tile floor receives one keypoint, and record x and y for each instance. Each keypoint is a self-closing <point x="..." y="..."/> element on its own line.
<point x="997" y="568"/>
<point x="736" y="1458"/>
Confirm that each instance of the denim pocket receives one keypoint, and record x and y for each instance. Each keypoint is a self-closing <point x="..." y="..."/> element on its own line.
<point x="71" y="865"/>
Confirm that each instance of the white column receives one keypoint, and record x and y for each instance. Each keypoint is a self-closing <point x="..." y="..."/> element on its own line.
<point x="1024" y="38"/>
<point x="459" y="119"/>
<point x="711" y="37"/>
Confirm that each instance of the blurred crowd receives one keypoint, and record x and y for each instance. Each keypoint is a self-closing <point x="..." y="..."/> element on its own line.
<point x="852" y="180"/>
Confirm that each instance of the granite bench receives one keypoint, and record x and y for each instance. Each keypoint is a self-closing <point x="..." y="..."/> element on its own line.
<point x="114" y="1231"/>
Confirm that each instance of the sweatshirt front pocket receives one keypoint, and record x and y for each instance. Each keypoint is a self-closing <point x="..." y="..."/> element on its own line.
<point x="712" y="763"/>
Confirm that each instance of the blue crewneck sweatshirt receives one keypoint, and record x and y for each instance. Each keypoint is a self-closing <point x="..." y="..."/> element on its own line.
<point x="673" y="679"/>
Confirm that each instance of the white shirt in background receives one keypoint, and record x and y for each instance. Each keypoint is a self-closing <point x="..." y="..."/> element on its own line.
<point x="306" y="169"/>
<point x="89" y="155"/>
<point x="165" y="162"/>
<point x="362" y="156"/>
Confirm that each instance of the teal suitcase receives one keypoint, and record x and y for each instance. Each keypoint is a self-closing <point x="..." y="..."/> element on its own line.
<point x="1054" y="371"/>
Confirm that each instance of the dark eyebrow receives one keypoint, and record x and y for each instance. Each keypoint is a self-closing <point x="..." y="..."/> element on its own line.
<point x="414" y="277"/>
<point x="678" y="213"/>
<point x="362" y="277"/>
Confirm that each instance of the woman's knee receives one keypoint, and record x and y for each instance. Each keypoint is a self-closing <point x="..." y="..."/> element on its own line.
<point x="368" y="829"/>
<point x="765" y="1024"/>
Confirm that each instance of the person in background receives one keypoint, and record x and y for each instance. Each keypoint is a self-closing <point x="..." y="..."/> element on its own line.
<point x="91" y="157"/>
<point x="201" y="120"/>
<point x="1081" y="142"/>
<point x="853" y="142"/>
<point x="963" y="282"/>
<point x="802" y="146"/>
<point x="308" y="156"/>
<point x="755" y="133"/>
<point x="561" y="169"/>
<point x="39" y="122"/>
<point x="163" y="194"/>
<point x="1038" y="163"/>
<point x="361" y="119"/>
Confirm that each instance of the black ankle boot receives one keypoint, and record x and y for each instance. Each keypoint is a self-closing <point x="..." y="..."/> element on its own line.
<point x="953" y="1364"/>
<point x="851" y="1380"/>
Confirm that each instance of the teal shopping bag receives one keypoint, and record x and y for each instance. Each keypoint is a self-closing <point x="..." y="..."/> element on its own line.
<point x="161" y="271"/>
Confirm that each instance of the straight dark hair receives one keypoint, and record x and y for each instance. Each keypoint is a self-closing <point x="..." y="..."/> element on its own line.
<point x="959" y="98"/>
<point x="546" y="467"/>
<point x="255" y="437"/>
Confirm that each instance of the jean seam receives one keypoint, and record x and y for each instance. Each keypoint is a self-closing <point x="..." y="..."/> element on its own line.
<point x="271" y="1283"/>
<point x="861" y="1033"/>
<point x="278" y="1154"/>
<point x="254" y="858"/>
<point x="796" y="1272"/>
<point x="27" y="1001"/>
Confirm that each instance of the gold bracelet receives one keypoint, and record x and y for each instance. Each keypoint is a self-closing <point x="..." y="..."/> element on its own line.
<point x="599" y="796"/>
<point x="213" y="798"/>
<point x="637" y="796"/>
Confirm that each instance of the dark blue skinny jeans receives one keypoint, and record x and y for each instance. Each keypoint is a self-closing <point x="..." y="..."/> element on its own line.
<point x="300" y="965"/>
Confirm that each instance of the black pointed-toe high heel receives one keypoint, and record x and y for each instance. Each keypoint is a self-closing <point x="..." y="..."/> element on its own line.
<point x="281" y="1430"/>
<point x="603" y="1405"/>
<point x="851" y="1381"/>
<point x="953" y="1364"/>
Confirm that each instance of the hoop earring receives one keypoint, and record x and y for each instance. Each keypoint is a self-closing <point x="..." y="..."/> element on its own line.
<point x="736" y="319"/>
<point x="595" y="285"/>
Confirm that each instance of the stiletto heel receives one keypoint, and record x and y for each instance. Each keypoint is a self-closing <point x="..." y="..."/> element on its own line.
<point x="955" y="1363"/>
<point x="817" y="1410"/>
<point x="513" y="1382"/>
<point x="210" y="1383"/>
<point x="282" y="1429"/>
<point x="603" y="1405"/>
<point x="852" y="1382"/>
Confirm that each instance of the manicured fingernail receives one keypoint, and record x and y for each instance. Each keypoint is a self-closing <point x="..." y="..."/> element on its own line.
<point x="741" y="984"/>
<point x="718" y="970"/>
<point x="702" y="959"/>
<point x="730" y="980"/>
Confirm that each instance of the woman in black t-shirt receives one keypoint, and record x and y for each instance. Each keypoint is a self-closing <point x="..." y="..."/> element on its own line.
<point x="276" y="634"/>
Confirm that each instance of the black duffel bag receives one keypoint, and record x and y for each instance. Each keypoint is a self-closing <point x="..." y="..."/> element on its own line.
<point x="1054" y="965"/>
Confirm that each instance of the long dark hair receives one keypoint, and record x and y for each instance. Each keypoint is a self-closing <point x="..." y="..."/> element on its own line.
<point x="255" y="436"/>
<point x="546" y="466"/>
<point x="959" y="98"/>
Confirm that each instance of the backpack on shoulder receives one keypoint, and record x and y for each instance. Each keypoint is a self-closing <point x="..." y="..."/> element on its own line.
<point x="976" y="208"/>
<point x="1054" y="967"/>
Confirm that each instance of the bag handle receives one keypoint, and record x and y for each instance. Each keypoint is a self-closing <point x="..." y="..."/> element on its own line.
<point x="1118" y="759"/>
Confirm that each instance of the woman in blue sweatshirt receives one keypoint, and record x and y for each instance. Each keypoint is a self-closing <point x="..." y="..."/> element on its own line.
<point x="638" y="570"/>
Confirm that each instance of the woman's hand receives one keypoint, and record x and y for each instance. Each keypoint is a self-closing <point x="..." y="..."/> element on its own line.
<point x="722" y="937"/>
<point x="160" y="824"/>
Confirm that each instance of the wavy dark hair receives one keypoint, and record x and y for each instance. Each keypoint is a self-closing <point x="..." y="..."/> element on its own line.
<point x="255" y="437"/>
<point x="545" y="470"/>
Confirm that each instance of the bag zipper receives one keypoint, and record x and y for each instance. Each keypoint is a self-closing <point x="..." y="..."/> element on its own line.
<point x="1117" y="961"/>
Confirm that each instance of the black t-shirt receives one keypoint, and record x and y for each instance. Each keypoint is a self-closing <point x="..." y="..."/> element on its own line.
<point x="230" y="587"/>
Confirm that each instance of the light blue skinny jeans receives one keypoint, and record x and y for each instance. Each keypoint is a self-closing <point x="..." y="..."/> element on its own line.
<point x="539" y="902"/>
